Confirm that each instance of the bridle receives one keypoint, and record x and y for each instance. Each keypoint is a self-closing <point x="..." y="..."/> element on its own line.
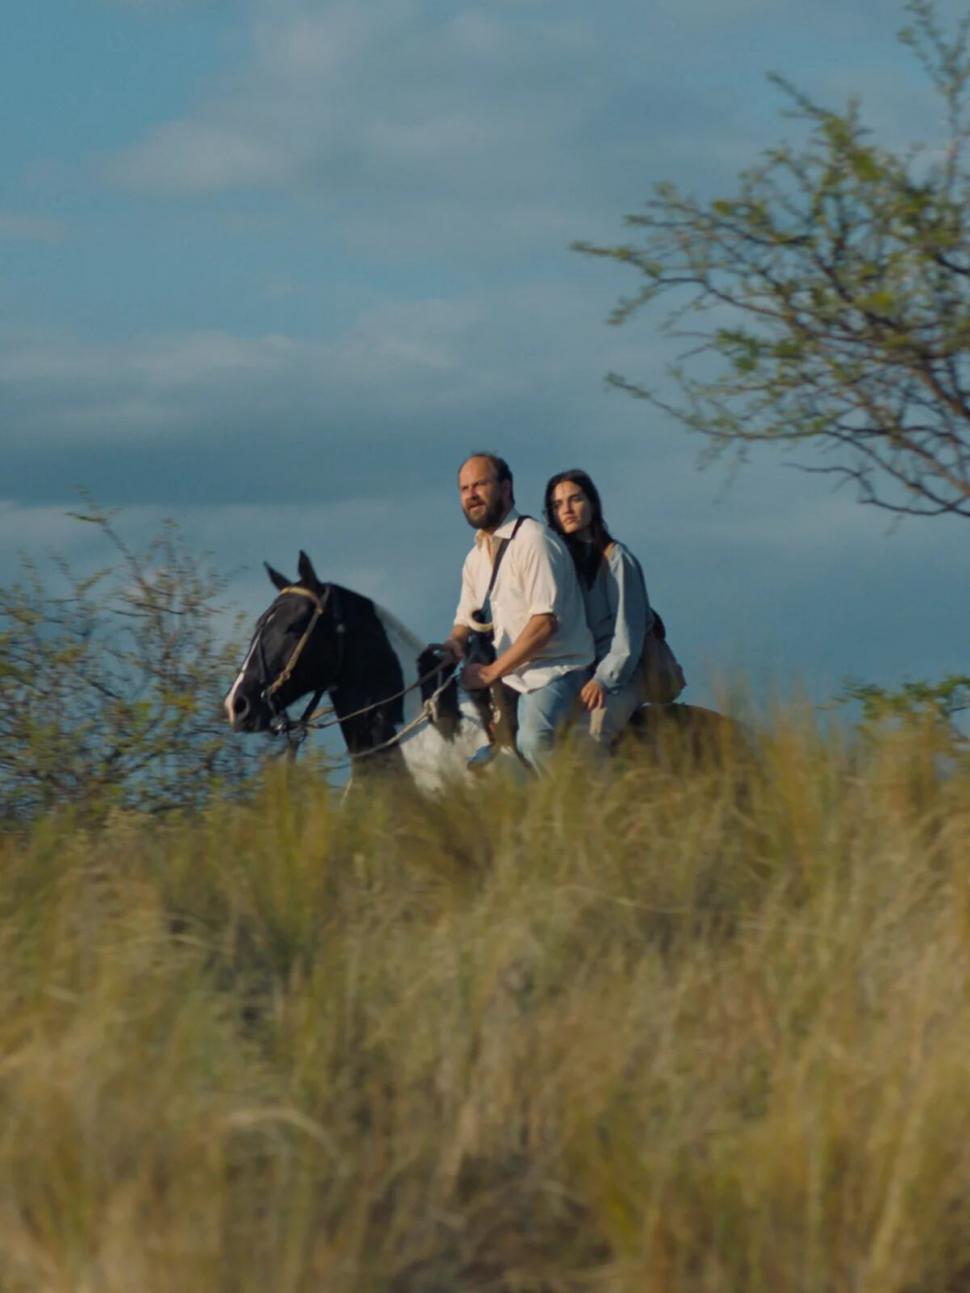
<point x="295" y="729"/>
<point x="281" y="721"/>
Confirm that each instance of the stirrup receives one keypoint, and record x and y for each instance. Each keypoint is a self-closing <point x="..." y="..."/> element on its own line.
<point x="482" y="757"/>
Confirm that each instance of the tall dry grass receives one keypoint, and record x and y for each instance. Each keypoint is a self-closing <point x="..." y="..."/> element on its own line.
<point x="642" y="1033"/>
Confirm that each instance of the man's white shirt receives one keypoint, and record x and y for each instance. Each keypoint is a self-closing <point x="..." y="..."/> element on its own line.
<point x="536" y="577"/>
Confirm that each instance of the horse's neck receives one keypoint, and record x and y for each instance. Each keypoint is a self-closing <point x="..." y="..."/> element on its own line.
<point x="381" y="661"/>
<point x="374" y="670"/>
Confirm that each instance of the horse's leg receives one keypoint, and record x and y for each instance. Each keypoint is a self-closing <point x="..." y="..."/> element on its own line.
<point x="371" y="744"/>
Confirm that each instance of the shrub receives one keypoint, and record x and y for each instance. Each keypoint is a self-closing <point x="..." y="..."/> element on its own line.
<point x="110" y="682"/>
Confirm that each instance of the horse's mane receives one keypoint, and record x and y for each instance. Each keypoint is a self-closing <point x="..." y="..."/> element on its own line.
<point x="407" y="644"/>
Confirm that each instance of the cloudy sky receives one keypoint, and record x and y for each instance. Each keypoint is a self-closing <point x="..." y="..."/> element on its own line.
<point x="273" y="267"/>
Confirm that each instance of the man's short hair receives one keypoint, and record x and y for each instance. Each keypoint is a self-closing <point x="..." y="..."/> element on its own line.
<point x="501" y="468"/>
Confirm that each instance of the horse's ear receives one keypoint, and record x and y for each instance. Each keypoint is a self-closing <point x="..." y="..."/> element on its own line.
<point x="308" y="575"/>
<point x="279" y="581"/>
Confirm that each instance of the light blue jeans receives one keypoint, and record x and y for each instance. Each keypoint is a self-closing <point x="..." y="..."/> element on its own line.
<point x="605" y="726"/>
<point x="543" y="712"/>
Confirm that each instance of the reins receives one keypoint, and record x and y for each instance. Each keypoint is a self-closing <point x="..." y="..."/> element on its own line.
<point x="296" y="730"/>
<point x="426" y="714"/>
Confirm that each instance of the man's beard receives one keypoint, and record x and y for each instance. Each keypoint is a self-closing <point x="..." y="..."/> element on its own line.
<point x="489" y="518"/>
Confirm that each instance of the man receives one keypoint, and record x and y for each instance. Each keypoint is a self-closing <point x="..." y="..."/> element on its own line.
<point x="542" y="643"/>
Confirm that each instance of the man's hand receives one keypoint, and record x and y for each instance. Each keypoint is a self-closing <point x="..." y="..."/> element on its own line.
<point x="537" y="632"/>
<point x="454" y="647"/>
<point x="593" y="695"/>
<point x="476" y="676"/>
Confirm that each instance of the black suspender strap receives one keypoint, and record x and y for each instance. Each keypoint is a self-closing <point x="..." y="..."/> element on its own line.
<point x="486" y="612"/>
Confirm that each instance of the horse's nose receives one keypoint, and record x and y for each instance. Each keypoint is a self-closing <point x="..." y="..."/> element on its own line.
<point x="239" y="710"/>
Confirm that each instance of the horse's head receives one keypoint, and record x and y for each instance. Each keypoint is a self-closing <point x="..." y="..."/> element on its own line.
<point x="295" y="649"/>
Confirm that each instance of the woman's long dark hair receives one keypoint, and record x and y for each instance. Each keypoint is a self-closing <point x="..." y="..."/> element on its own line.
<point x="587" y="557"/>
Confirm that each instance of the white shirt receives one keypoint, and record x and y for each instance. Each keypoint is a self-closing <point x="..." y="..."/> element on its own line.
<point x="536" y="577"/>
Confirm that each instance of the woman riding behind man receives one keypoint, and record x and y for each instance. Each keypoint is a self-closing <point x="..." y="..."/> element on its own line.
<point x="617" y="608"/>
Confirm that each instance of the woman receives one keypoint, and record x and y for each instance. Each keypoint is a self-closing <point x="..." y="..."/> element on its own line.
<point x="617" y="607"/>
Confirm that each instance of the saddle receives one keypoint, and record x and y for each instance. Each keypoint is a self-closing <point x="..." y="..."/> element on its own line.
<point x="497" y="705"/>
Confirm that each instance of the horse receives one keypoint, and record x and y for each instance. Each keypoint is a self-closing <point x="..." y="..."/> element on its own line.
<point x="396" y="701"/>
<point x="382" y="681"/>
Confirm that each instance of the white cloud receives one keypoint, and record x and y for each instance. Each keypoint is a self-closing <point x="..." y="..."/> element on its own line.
<point x="18" y="226"/>
<point x="511" y="128"/>
<point x="153" y="365"/>
<point x="409" y="126"/>
<point x="399" y="363"/>
<point x="202" y="156"/>
<point x="458" y="124"/>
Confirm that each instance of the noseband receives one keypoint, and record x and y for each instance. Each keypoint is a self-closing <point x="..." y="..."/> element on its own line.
<point x="281" y="720"/>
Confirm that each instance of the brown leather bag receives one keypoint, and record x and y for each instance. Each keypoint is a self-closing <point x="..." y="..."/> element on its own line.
<point x="663" y="678"/>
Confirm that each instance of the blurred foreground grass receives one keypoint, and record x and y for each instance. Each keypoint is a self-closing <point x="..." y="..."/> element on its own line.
<point x="654" y="1033"/>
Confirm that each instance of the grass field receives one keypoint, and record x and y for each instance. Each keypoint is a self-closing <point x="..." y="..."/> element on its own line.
<point x="651" y="1034"/>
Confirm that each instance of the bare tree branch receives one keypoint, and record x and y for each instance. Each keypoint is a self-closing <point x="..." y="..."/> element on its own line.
<point x="844" y="268"/>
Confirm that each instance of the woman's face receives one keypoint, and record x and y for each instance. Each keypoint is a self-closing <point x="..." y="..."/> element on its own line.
<point x="571" y="509"/>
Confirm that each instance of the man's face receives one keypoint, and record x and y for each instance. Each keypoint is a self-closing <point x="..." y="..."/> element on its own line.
<point x="483" y="500"/>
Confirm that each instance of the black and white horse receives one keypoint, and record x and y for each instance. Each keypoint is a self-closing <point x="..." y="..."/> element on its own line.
<point x="394" y="702"/>
<point x="318" y="638"/>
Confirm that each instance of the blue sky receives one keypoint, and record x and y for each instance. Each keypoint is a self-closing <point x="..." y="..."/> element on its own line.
<point x="272" y="267"/>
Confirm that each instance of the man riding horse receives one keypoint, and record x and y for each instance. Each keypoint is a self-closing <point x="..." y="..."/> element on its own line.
<point x="519" y="580"/>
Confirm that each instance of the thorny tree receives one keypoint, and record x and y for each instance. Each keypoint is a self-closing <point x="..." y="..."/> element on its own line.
<point x="833" y="294"/>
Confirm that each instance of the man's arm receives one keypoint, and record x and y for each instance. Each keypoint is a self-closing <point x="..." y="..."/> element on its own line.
<point x="456" y="641"/>
<point x="537" y="632"/>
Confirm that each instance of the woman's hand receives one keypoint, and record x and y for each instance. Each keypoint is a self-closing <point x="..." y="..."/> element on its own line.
<point x="593" y="695"/>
